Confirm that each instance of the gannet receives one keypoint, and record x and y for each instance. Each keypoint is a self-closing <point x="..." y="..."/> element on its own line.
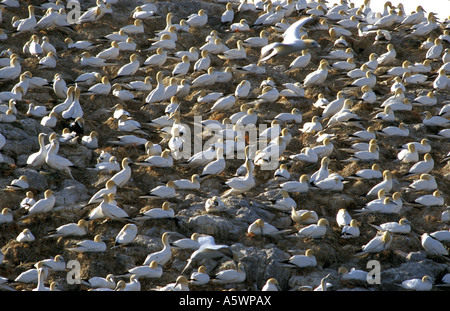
<point x="202" y="157"/>
<point x="127" y="234"/>
<point x="424" y="67"/>
<point x="214" y="204"/>
<point x="91" y="15"/>
<point x="150" y="271"/>
<point x="20" y="183"/>
<point x="8" y="117"/>
<point x="108" y="209"/>
<point x="49" y="61"/>
<point x="241" y="26"/>
<point x="318" y="76"/>
<point x="425" y="100"/>
<point x="110" y="53"/>
<point x="71" y="229"/>
<point x="101" y="282"/>
<point x="271" y="285"/>
<point x="434" y="199"/>
<point x="358" y="72"/>
<point x="16" y="94"/>
<point x="401" y="130"/>
<point x="88" y="60"/>
<point x="403" y="226"/>
<point x="59" y="86"/>
<point x="260" y="227"/>
<point x="162" y="256"/>
<point x="233" y="54"/>
<point x="422" y="167"/>
<point x="202" y="63"/>
<point x="441" y="235"/>
<point x="41" y="269"/>
<point x="423" y="284"/>
<point x="426" y="182"/>
<point x="307" y="154"/>
<point x="156" y="213"/>
<point x="408" y="155"/>
<point x="122" y="177"/>
<point x="343" y="218"/>
<point x="157" y="59"/>
<point x="432" y="246"/>
<point x="130" y="68"/>
<point x="442" y="81"/>
<point x="315" y="231"/>
<point x="80" y="44"/>
<point x="102" y="88"/>
<point x="206" y="79"/>
<point x="88" y="78"/>
<point x="322" y="172"/>
<point x="85" y="246"/>
<point x="199" y="277"/>
<point x="267" y="12"/>
<point x="424" y="28"/>
<point x="292" y="90"/>
<point x="6" y="216"/>
<point x="257" y="42"/>
<point x="301" y="261"/>
<point x="128" y="45"/>
<point x="90" y="141"/>
<point x="241" y="184"/>
<point x="351" y="230"/>
<point x="163" y="191"/>
<point x="27" y="24"/>
<point x="331" y="183"/>
<point x="215" y="167"/>
<point x="291" y="42"/>
<point x="190" y="243"/>
<point x="268" y="94"/>
<point x="181" y="284"/>
<point x="335" y="105"/>
<point x="414" y="78"/>
<point x="230" y="275"/>
<point x="324" y="150"/>
<point x="377" y="244"/>
<point x="282" y="173"/>
<point x="431" y="120"/>
<point x="386" y="184"/>
<point x="285" y="203"/>
<point x="223" y="103"/>
<point x="389" y="57"/>
<point x="352" y="274"/>
<point x="188" y="184"/>
<point x="36" y="110"/>
<point x="197" y="20"/>
<point x="136" y="28"/>
<point x="369" y="173"/>
<point x="346" y="65"/>
<point x="56" y="161"/>
<point x="182" y="68"/>
<point x="28" y="201"/>
<point x="122" y="94"/>
<point x="140" y="13"/>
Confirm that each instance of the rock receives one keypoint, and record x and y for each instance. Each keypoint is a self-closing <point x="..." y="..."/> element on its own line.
<point x="410" y="270"/>
<point x="312" y="279"/>
<point x="36" y="180"/>
<point x="416" y="256"/>
<point x="262" y="263"/>
<point x="216" y="226"/>
<point x="72" y="192"/>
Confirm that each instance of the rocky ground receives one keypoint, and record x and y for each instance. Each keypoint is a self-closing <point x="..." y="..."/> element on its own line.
<point x="261" y="255"/>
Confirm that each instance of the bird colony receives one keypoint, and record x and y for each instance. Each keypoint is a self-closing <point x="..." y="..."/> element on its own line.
<point x="106" y="184"/>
